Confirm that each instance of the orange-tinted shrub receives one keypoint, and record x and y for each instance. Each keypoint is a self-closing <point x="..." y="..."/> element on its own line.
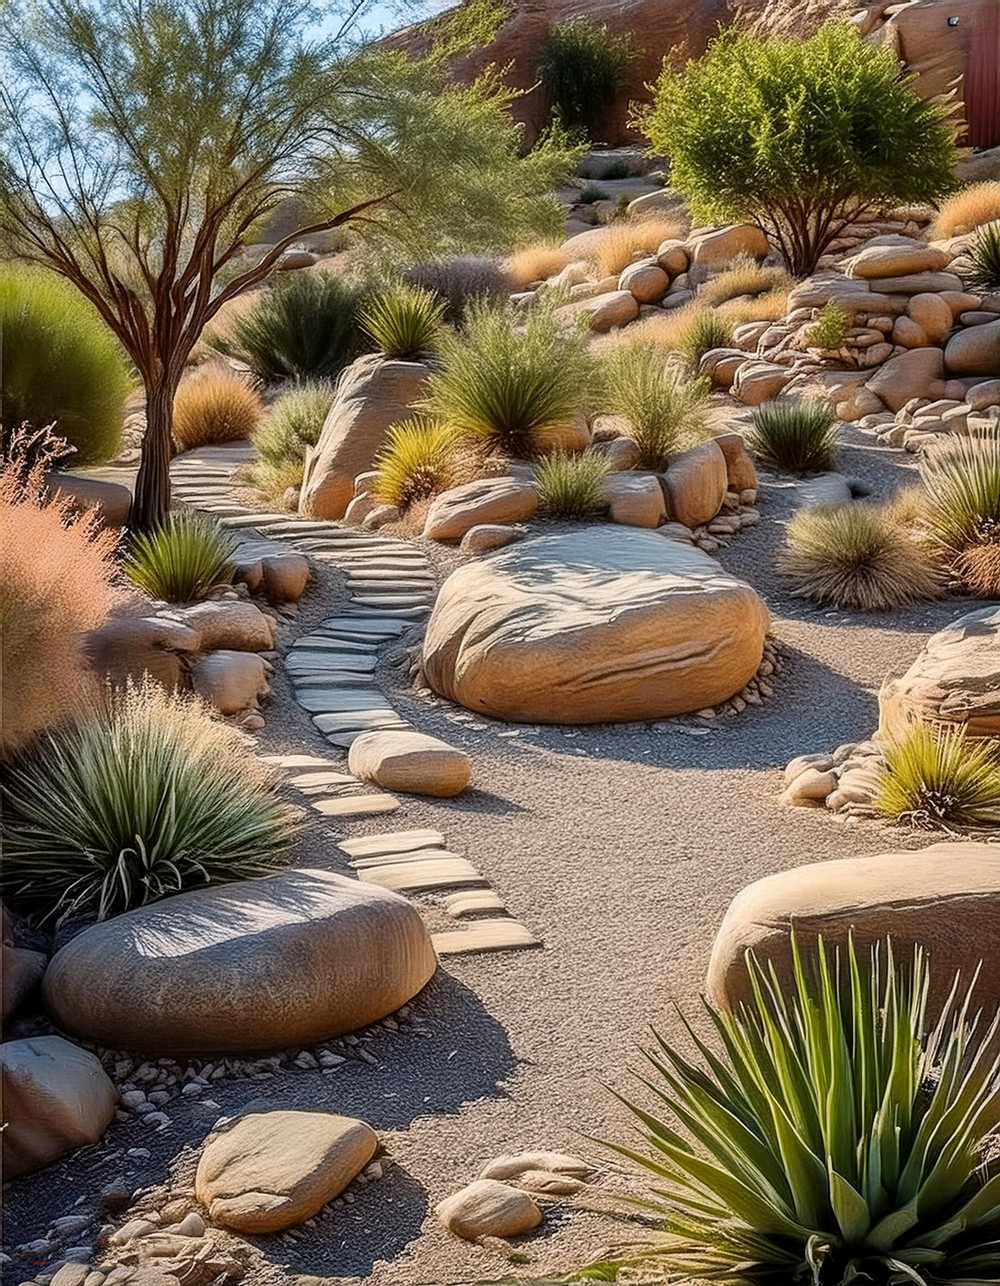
<point x="215" y="405"/>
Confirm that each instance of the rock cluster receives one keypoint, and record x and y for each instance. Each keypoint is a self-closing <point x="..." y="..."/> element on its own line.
<point x="503" y="1201"/>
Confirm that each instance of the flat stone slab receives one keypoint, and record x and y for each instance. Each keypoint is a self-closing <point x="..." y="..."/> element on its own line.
<point x="355" y="721"/>
<point x="484" y="935"/>
<point x="321" y="780"/>
<point x="295" y="761"/>
<point x="321" y="643"/>
<point x="435" y="873"/>
<point x="354" y="625"/>
<point x="473" y="902"/>
<point x="392" y="842"/>
<point x="343" y="700"/>
<point x="363" y="663"/>
<point x="388" y="859"/>
<point x="356" y="806"/>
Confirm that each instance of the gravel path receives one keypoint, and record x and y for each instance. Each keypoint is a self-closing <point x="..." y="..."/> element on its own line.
<point x="620" y="849"/>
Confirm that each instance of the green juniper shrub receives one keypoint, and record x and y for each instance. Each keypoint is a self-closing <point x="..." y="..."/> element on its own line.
<point x="181" y="561"/>
<point x="293" y="423"/>
<point x="570" y="483"/>
<point x="590" y="194"/>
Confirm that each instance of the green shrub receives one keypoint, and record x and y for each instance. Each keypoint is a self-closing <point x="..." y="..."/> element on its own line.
<point x="583" y="66"/>
<point x="569" y="483"/>
<point x="417" y="462"/>
<point x="144" y="797"/>
<point x="961" y="476"/>
<point x="294" y="421"/>
<point x="855" y="556"/>
<point x="590" y="193"/>
<point x="706" y="330"/>
<point x="304" y="328"/>
<point x="830" y="328"/>
<point x="403" y="321"/>
<point x="181" y="561"/>
<point x="461" y="280"/>
<point x="505" y="379"/>
<point x="798" y="135"/>
<point x="983" y="274"/>
<point x="795" y="437"/>
<point x="60" y="364"/>
<point x="936" y="775"/>
<point x="614" y="171"/>
<point x="836" y="1136"/>
<point x="667" y="411"/>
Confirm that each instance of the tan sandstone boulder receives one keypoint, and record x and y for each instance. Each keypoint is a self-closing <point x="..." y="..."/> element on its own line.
<point x="600" y="625"/>
<point x="411" y="762"/>
<point x="721" y="245"/>
<point x="56" y="1098"/>
<point x="270" y="1170"/>
<point x="974" y="351"/>
<point x="487" y="500"/>
<point x="945" y="898"/>
<point x="287" y="960"/>
<point x="955" y="679"/>
<point x="230" y="624"/>
<point x="373" y="394"/>
<point x="918" y="373"/>
<point x="647" y="282"/>
<point x="696" y="482"/>
<point x="634" y="499"/>
<point x="488" y="1208"/>
<point x="895" y="256"/>
<point x="230" y="681"/>
<point x="604" y="312"/>
<point x="129" y="647"/>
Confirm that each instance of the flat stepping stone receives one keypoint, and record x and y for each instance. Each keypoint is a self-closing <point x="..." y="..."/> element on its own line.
<point x="472" y="902"/>
<point x="410" y="585"/>
<point x="434" y="873"/>
<point x="394" y="601"/>
<point x="322" y="643"/>
<point x="356" y="805"/>
<point x="355" y="720"/>
<point x="295" y="761"/>
<point x="390" y="859"/>
<point x="346" y="700"/>
<point x="392" y="842"/>
<point x="314" y="780"/>
<point x="404" y="615"/>
<point x="484" y="935"/>
<point x="347" y="682"/>
<point x="259" y="521"/>
<point x="354" y="625"/>
<point x="320" y="700"/>
<point x="362" y="662"/>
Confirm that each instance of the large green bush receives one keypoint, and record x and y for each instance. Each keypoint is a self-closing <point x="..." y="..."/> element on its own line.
<point x="60" y="364"/>
<point x="799" y="136"/>
<point x="583" y="67"/>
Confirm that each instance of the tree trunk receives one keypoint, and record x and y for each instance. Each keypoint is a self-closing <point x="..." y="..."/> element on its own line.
<point x="151" y="502"/>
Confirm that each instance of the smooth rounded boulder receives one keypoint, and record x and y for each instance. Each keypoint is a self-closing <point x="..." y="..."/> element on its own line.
<point x="944" y="898"/>
<point x="410" y="761"/>
<point x="287" y="960"/>
<point x="599" y="625"/>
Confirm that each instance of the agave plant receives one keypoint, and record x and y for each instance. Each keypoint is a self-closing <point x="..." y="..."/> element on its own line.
<point x="836" y="1138"/>
<point x="936" y="775"/>
<point x="404" y="320"/>
<point x="183" y="560"/>
<point x="569" y="483"/>
<point x="795" y="437"/>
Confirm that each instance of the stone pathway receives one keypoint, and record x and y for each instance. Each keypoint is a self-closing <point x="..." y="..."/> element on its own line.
<point x="392" y="587"/>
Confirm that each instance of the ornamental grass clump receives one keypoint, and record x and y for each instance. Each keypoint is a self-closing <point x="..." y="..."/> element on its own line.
<point x="706" y="330"/>
<point x="183" y="560"/>
<point x="214" y="405"/>
<point x="667" y="411"/>
<point x="961" y="511"/>
<point x="835" y="1135"/>
<point x="505" y="380"/>
<point x="856" y="556"/>
<point x="144" y="796"/>
<point x="417" y="462"/>
<point x="795" y="436"/>
<point x="744" y="276"/>
<point x="570" y="483"/>
<point x="983" y="254"/>
<point x="968" y="209"/>
<point x="403" y="321"/>
<point x="293" y="423"/>
<point x="937" y="775"/>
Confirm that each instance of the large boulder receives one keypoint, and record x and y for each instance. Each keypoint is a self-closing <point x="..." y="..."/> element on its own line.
<point x="128" y="647"/>
<point x="607" y="311"/>
<point x="955" y="679"/>
<point x="269" y="1170"/>
<point x="283" y="961"/>
<point x="917" y="373"/>
<point x="20" y="974"/>
<point x="110" y="501"/>
<point x="488" y="1208"/>
<point x="720" y="246"/>
<point x="56" y="1098"/>
<point x="373" y="394"/>
<point x="600" y="625"/>
<point x="634" y="499"/>
<point x="696" y="482"/>
<point x="230" y="624"/>
<point x="895" y="256"/>
<point x="230" y="681"/>
<point x="974" y="350"/>
<point x="487" y="500"/>
<point x="945" y="898"/>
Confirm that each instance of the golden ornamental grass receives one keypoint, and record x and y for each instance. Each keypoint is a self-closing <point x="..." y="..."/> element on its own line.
<point x="214" y="405"/>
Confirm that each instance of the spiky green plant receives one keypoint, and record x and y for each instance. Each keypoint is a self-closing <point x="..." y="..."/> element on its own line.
<point x="404" y="320"/>
<point x="666" y="409"/>
<point x="830" y="328"/>
<point x="504" y="379"/>
<point x="417" y="461"/>
<point x="936" y="775"/>
<point x="706" y="330"/>
<point x="835" y="1138"/>
<point x="569" y="483"/>
<point x="856" y="556"/>
<point x="795" y="437"/>
<point x="183" y="560"/>
<point x="961" y="476"/>
<point x="983" y="254"/>
<point x="145" y="796"/>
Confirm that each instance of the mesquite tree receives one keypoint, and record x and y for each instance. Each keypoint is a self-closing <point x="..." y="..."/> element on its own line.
<point x="799" y="136"/>
<point x="145" y="143"/>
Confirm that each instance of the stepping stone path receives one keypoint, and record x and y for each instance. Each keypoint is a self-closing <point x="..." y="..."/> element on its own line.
<point x="392" y="587"/>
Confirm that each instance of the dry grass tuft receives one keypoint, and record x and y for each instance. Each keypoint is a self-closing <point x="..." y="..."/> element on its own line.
<point x="771" y="306"/>
<point x="535" y="263"/>
<point x="795" y="18"/>
<point x="967" y="210"/>
<point x="745" y="276"/>
<point x="57" y="576"/>
<point x="665" y="331"/>
<point x="978" y="568"/>
<point x="626" y="240"/>
<point x="215" y="405"/>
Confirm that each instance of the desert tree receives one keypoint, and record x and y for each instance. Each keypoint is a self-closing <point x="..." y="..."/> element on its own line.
<point x="799" y="136"/>
<point x="144" y="145"/>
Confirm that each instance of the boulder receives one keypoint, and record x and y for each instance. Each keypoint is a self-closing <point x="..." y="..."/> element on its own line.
<point x="945" y="898"/>
<point x="487" y="500"/>
<point x="932" y="314"/>
<point x="974" y="351"/>
<point x="574" y="436"/>
<point x="955" y="680"/>
<point x="20" y="974"/>
<point x="741" y="474"/>
<point x="908" y="334"/>
<point x="621" y="453"/>
<point x="270" y="1170"/>
<point x="110" y="500"/>
<point x="488" y="1208"/>
<point x="600" y="625"/>
<point x="980" y="397"/>
<point x="230" y="624"/>
<point x="604" y="312"/>
<point x="373" y="394"/>
<point x="896" y="257"/>
<point x="722" y="245"/>
<point x="56" y="1098"/>
<point x="634" y="499"/>
<point x="647" y="282"/>
<point x="918" y="373"/>
<point x="281" y="575"/>
<point x="696" y="481"/>
<point x="672" y="256"/>
<point x="287" y="960"/>
<point x="128" y="647"/>
<point x="919" y="283"/>
<point x="230" y="681"/>
<point x="410" y="761"/>
<point x="487" y="537"/>
<point x="756" y="382"/>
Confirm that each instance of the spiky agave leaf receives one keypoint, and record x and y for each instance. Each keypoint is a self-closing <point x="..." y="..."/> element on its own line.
<point x="836" y="1136"/>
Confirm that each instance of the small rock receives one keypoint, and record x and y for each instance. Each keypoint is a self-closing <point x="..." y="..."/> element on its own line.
<point x="488" y="1208"/>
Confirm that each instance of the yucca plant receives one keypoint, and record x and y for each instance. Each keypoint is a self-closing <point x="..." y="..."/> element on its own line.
<point x="961" y="476"/>
<point x="667" y="411"/>
<point x="795" y="437"/>
<point x="504" y="380"/>
<point x="835" y="1137"/>
<point x="983" y="254"/>
<point x="181" y="561"/>
<point x="855" y="556"/>
<point x="145" y="796"/>
<point x="706" y="330"/>
<point x="936" y="775"/>
<point x="404" y="321"/>
<point x="569" y="483"/>
<point x="417" y="462"/>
